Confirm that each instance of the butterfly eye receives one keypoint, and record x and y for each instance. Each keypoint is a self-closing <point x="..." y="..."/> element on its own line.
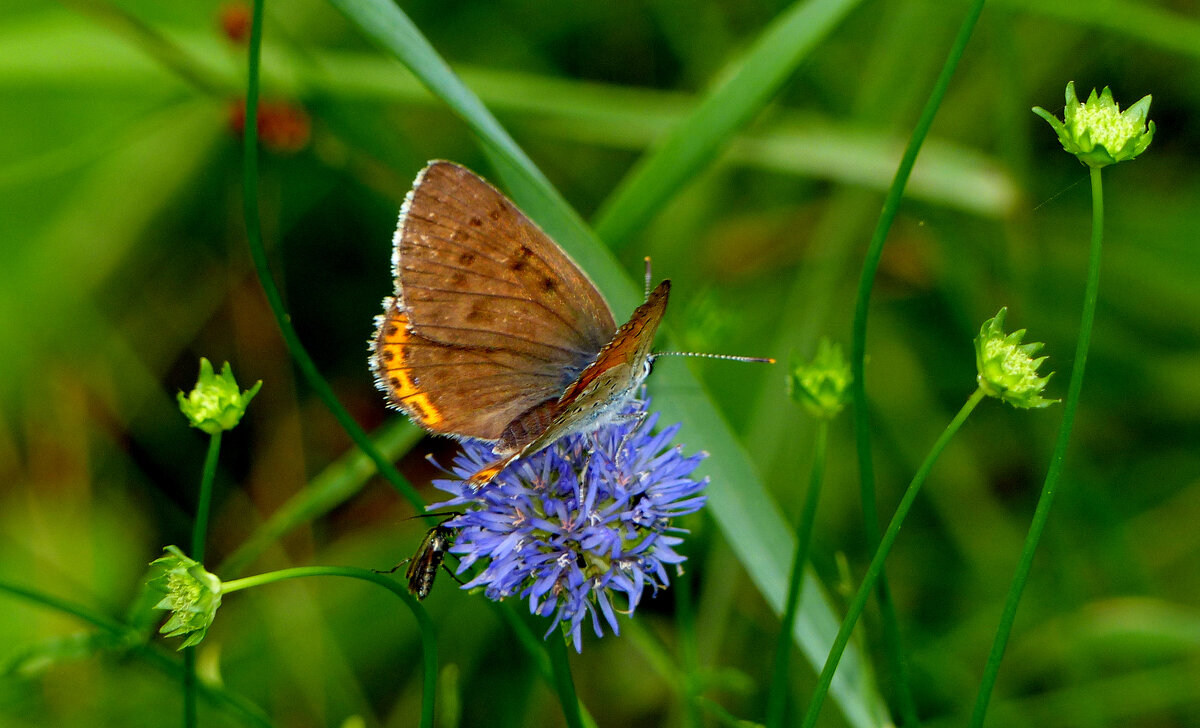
<point x="648" y="367"/>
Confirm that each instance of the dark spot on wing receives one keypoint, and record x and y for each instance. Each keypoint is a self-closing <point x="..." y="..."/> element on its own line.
<point x="549" y="284"/>
<point x="466" y="258"/>
<point x="478" y="314"/>
<point x="476" y="222"/>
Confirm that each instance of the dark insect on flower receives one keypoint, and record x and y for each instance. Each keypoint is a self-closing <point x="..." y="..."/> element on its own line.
<point x="424" y="565"/>
<point x="583" y="521"/>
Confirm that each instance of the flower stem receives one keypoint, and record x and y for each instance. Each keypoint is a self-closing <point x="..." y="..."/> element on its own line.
<point x="689" y="653"/>
<point x="199" y="533"/>
<point x="862" y="426"/>
<point x="424" y="623"/>
<point x="189" y="687"/>
<point x="777" y="697"/>
<point x="1050" y="486"/>
<point x="561" y="664"/>
<point x="538" y="650"/>
<point x="875" y="570"/>
<point x="259" y="255"/>
<point x="204" y="502"/>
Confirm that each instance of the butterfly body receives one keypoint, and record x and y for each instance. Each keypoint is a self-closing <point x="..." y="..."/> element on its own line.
<point x="494" y="333"/>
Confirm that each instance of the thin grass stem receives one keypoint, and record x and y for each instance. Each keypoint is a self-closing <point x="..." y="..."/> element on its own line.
<point x="204" y="501"/>
<point x="258" y="254"/>
<point x="858" y="355"/>
<point x="875" y="570"/>
<point x="689" y="653"/>
<point x="1042" y="513"/>
<point x="777" y="698"/>
<point x="199" y="536"/>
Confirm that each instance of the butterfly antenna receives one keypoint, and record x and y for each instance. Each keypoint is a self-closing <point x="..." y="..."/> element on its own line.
<point x="730" y="357"/>
<point x="444" y="515"/>
<point x="646" y="292"/>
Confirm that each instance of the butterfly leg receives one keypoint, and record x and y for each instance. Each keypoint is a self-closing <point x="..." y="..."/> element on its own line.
<point x="636" y="419"/>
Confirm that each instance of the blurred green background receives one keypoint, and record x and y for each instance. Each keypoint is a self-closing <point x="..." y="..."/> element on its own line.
<point x="123" y="260"/>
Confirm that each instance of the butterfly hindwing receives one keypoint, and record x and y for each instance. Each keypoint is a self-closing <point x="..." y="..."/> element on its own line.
<point x="462" y="391"/>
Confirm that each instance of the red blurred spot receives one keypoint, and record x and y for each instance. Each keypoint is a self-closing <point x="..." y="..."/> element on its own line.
<point x="235" y="19"/>
<point x="282" y="126"/>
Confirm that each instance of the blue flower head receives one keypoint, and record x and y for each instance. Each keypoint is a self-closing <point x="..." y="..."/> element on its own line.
<point x="585" y="520"/>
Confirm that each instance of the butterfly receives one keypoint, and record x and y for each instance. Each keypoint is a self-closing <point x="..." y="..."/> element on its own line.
<point x="493" y="332"/>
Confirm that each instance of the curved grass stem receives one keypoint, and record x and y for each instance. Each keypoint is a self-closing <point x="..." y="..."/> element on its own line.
<point x="862" y="428"/>
<point x="199" y="536"/>
<point x="875" y="570"/>
<point x="258" y="254"/>
<point x="1050" y="486"/>
<point x="424" y="623"/>
<point x="777" y="697"/>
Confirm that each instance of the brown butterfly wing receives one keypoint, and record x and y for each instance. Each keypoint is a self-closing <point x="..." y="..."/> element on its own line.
<point x="629" y="347"/>
<point x="490" y="318"/>
<point x="616" y="371"/>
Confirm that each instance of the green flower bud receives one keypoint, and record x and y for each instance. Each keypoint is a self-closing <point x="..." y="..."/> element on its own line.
<point x="1006" y="367"/>
<point x="1097" y="131"/>
<point x="192" y="595"/>
<point x="215" y="403"/>
<point x="822" y="384"/>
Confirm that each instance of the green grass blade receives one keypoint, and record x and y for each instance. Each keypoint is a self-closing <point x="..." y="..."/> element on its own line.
<point x="739" y="93"/>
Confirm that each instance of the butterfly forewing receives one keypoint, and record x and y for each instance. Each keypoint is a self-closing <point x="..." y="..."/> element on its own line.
<point x="474" y="271"/>
<point x="491" y="318"/>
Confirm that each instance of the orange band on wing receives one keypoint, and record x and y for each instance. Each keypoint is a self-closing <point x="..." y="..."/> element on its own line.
<point x="404" y="390"/>
<point x="485" y="474"/>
